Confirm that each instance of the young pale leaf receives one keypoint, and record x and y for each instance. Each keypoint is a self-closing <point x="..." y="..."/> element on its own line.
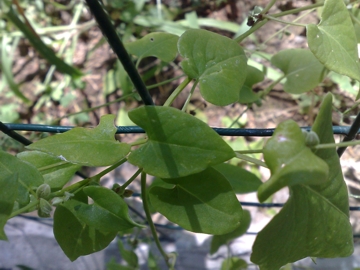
<point x="56" y="171"/>
<point x="241" y="180"/>
<point x="234" y="263"/>
<point x="160" y="45"/>
<point x="333" y="40"/>
<point x="217" y="62"/>
<point x="74" y="236"/>
<point x="29" y="177"/>
<point x="202" y="202"/>
<point x="290" y="161"/>
<point x="246" y="93"/>
<point x="84" y="146"/>
<point x="218" y="240"/>
<point x="8" y="192"/>
<point x="178" y="143"/>
<point x="302" y="70"/>
<point x="315" y="220"/>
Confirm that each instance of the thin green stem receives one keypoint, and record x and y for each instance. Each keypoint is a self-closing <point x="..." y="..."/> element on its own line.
<point x="189" y="96"/>
<point x="250" y="159"/>
<point x="271" y="86"/>
<point x="297" y="10"/>
<point x="176" y="92"/>
<point x="282" y="21"/>
<point x="253" y="29"/>
<point x="111" y="168"/>
<point x="237" y="118"/>
<point x="24" y="209"/>
<point x="334" y="145"/>
<point x="268" y="7"/>
<point x="149" y="220"/>
<point x="71" y="188"/>
<point x="128" y="182"/>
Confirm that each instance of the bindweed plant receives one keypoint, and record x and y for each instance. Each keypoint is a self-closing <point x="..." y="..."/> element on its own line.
<point x="195" y="186"/>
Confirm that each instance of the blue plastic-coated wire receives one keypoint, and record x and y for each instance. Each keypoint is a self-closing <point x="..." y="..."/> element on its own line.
<point x="255" y="132"/>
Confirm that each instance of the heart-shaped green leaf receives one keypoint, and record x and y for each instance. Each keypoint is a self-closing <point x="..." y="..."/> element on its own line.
<point x="8" y="192"/>
<point x="217" y="62"/>
<point x="160" y="45"/>
<point x="202" y="202"/>
<point x="75" y="237"/>
<point x="108" y="213"/>
<point x="246" y="93"/>
<point x="178" y="143"/>
<point x="315" y="220"/>
<point x="56" y="171"/>
<point x="333" y="40"/>
<point x="218" y="240"/>
<point x="84" y="146"/>
<point x="290" y="161"/>
<point x="29" y="177"/>
<point x="241" y="180"/>
<point x="302" y="70"/>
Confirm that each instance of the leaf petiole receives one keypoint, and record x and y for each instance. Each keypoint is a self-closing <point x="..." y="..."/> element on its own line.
<point x="250" y="159"/>
<point x="176" y="92"/>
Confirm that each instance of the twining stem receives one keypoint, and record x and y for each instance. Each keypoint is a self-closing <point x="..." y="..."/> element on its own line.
<point x="149" y="220"/>
<point x="297" y="10"/>
<point x="250" y="159"/>
<point x="189" y="96"/>
<point x="24" y="209"/>
<point x="268" y="7"/>
<point x="285" y="22"/>
<point x="107" y="170"/>
<point x="271" y="86"/>
<point x="176" y="92"/>
<point x="334" y="145"/>
<point x="128" y="182"/>
<point x="71" y="188"/>
<point x="253" y="29"/>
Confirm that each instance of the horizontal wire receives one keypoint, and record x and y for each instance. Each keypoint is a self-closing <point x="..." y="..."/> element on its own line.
<point x="258" y="132"/>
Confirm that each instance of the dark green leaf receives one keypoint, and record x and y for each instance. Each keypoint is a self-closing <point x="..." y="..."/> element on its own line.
<point x="202" y="202"/>
<point x="218" y="240"/>
<point x="315" y="220"/>
<point x="234" y="263"/>
<point x="333" y="40"/>
<point x="8" y="192"/>
<point x="217" y="62"/>
<point x="56" y="171"/>
<point x="74" y="236"/>
<point x="178" y="143"/>
<point x="290" y="161"/>
<point x="84" y="146"/>
<point x="29" y="177"/>
<point x="302" y="70"/>
<point x="246" y="93"/>
<point x="160" y="45"/>
<point x="108" y="213"/>
<point x="241" y="180"/>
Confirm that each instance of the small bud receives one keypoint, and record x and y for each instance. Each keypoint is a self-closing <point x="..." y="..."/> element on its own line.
<point x="127" y="193"/>
<point x="43" y="191"/>
<point x="311" y="138"/>
<point x="44" y="208"/>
